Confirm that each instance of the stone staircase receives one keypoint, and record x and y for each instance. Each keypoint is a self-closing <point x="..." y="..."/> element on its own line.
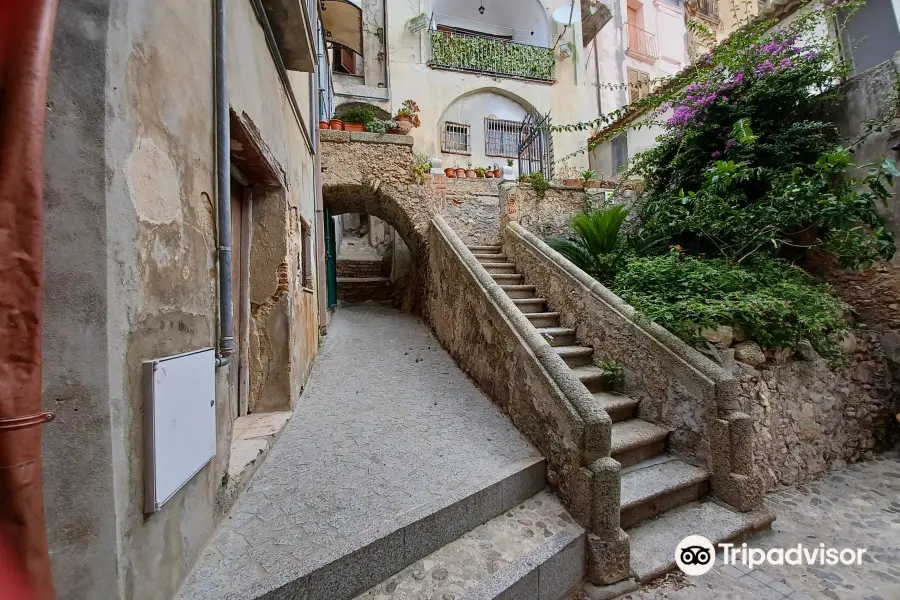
<point x="663" y="498"/>
<point x="361" y="280"/>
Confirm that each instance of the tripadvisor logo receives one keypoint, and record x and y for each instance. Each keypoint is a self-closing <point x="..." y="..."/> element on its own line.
<point x="695" y="555"/>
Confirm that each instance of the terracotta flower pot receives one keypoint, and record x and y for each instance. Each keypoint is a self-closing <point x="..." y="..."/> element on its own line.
<point x="404" y="124"/>
<point x="489" y="174"/>
<point x="471" y="173"/>
<point x="324" y="125"/>
<point x="572" y="182"/>
<point x="498" y="173"/>
<point x="450" y="172"/>
<point x="354" y="127"/>
<point x="336" y="124"/>
<point x="460" y="173"/>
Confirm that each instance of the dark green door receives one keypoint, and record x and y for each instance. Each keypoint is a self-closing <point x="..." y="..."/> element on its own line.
<point x="330" y="261"/>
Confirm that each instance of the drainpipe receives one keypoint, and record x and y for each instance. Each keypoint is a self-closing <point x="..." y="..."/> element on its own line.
<point x="223" y="190"/>
<point x="26" y="36"/>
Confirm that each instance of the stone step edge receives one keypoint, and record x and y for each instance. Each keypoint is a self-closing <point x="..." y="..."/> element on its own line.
<point x="551" y="572"/>
<point x="413" y="535"/>
<point x="753" y="522"/>
<point x="363" y="279"/>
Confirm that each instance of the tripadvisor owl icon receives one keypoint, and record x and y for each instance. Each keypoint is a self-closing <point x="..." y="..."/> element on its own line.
<point x="695" y="555"/>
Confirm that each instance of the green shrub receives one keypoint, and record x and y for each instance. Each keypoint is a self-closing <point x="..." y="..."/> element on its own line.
<point x="777" y="304"/>
<point x="380" y="126"/>
<point x="538" y="183"/>
<point x="492" y="56"/>
<point x="359" y="114"/>
<point x="595" y="248"/>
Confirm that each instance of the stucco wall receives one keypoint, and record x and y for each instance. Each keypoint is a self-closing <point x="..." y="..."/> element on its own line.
<point x="136" y="266"/>
<point x="472" y="110"/>
<point x="548" y="216"/>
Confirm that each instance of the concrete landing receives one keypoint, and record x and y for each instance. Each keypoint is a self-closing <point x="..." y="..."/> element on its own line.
<point x="392" y="452"/>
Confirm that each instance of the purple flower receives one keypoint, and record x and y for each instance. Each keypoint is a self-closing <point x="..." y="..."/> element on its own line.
<point x="730" y="144"/>
<point x="716" y="154"/>
<point x="785" y="63"/>
<point x="738" y="78"/>
<point x="765" y="67"/>
<point x="811" y="55"/>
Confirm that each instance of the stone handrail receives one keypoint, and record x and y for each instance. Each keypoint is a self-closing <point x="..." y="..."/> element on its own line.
<point x="729" y="431"/>
<point x="538" y="390"/>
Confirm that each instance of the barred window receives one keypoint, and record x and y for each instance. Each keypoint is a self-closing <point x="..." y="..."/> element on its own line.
<point x="456" y="138"/>
<point x="501" y="137"/>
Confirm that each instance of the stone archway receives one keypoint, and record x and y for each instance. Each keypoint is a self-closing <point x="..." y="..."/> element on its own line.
<point x="373" y="174"/>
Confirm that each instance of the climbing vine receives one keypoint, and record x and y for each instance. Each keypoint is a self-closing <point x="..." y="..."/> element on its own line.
<point x="491" y="55"/>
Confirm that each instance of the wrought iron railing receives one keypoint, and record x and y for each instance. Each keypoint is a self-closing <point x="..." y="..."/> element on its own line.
<point x="641" y="42"/>
<point x="483" y="54"/>
<point x="709" y="8"/>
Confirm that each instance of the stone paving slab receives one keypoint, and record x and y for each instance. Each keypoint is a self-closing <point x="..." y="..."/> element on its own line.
<point x="388" y="425"/>
<point x="858" y="507"/>
<point x="495" y="556"/>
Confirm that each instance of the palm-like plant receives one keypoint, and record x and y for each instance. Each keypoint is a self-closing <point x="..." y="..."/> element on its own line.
<point x="595" y="247"/>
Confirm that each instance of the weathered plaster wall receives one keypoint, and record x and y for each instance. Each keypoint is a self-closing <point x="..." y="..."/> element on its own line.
<point x="77" y="447"/>
<point x="473" y="210"/>
<point x="548" y="216"/>
<point x="132" y="258"/>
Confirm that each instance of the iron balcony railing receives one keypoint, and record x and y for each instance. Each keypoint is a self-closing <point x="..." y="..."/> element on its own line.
<point x="642" y="42"/>
<point x="708" y="8"/>
<point x="484" y="54"/>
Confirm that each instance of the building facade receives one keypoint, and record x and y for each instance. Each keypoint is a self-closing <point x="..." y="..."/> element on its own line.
<point x="156" y="109"/>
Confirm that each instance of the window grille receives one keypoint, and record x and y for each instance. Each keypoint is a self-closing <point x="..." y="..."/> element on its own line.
<point x="456" y="138"/>
<point x="501" y="137"/>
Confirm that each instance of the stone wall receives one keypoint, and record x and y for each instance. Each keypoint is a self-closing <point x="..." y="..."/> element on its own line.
<point x="473" y="210"/>
<point x="809" y="419"/>
<point x="548" y="216"/>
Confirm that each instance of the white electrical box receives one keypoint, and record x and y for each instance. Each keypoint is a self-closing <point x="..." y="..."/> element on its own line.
<point x="179" y="422"/>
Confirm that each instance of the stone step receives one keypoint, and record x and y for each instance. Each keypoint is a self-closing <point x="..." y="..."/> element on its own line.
<point x="636" y="440"/>
<point x="575" y="356"/>
<point x="485" y="249"/>
<point x="653" y="543"/>
<point x="508" y="278"/>
<point x="490" y="258"/>
<point x="657" y="485"/>
<point x="558" y="336"/>
<point x="619" y="406"/>
<point x="529" y="305"/>
<point x="544" y="319"/>
<point x="533" y="551"/>
<point x="518" y="291"/>
<point x="594" y="379"/>
<point x="345" y="570"/>
<point x="508" y="268"/>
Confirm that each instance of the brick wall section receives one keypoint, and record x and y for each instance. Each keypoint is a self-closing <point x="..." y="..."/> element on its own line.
<point x="363" y="268"/>
<point x="364" y="289"/>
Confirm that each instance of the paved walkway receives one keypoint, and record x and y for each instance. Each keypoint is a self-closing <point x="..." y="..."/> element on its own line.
<point x="388" y="426"/>
<point x="858" y="507"/>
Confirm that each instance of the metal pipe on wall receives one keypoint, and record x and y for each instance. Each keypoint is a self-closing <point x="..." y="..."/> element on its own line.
<point x="26" y="37"/>
<point x="223" y="189"/>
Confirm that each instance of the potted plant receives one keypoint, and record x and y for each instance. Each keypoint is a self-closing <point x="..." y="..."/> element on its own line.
<point x="324" y="125"/>
<point x="509" y="173"/>
<point x="336" y="124"/>
<point x="450" y="172"/>
<point x="498" y="172"/>
<point x="408" y="116"/>
<point x="379" y="126"/>
<point x="356" y="118"/>
<point x="470" y="172"/>
<point x="489" y="172"/>
<point x="586" y="177"/>
<point x="460" y="173"/>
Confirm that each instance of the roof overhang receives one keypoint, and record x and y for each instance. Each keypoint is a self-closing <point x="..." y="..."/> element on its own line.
<point x="342" y="21"/>
<point x="292" y="27"/>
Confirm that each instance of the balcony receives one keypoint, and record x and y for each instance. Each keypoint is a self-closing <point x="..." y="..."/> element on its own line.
<point x="495" y="56"/>
<point x="641" y="44"/>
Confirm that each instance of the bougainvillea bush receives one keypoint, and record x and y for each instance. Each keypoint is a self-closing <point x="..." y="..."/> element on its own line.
<point x="746" y="167"/>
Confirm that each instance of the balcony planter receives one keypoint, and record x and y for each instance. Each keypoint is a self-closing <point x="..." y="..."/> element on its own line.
<point x="460" y="173"/>
<point x="336" y="124"/>
<point x="354" y="127"/>
<point x="324" y="125"/>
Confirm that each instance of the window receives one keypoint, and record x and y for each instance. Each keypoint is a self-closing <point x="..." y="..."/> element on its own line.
<point x="501" y="137"/>
<point x="619" y="152"/>
<point x="638" y="84"/>
<point x="456" y="138"/>
<point x="345" y="61"/>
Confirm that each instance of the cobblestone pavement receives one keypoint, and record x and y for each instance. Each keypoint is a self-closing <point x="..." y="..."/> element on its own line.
<point x="858" y="507"/>
<point x="388" y="425"/>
